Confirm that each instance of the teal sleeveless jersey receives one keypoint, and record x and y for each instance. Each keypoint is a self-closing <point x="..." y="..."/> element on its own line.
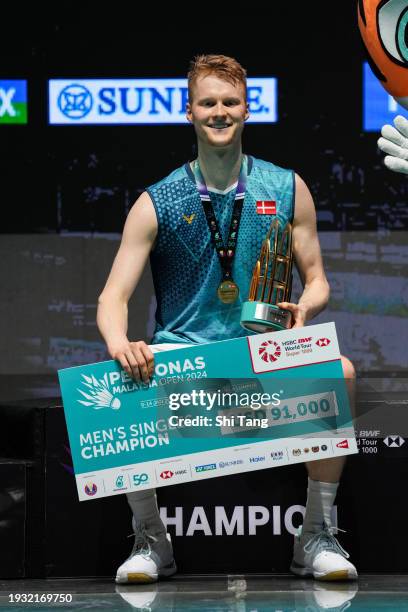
<point x="185" y="267"/>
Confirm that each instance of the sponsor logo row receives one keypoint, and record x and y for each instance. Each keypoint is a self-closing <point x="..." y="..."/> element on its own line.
<point x="131" y="480"/>
<point x="156" y="100"/>
<point x="297" y="452"/>
<point x="125" y="101"/>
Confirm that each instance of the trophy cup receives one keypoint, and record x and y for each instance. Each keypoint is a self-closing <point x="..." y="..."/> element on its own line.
<point x="271" y="283"/>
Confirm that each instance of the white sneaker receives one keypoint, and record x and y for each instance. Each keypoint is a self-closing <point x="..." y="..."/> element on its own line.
<point x="322" y="557"/>
<point x="151" y="558"/>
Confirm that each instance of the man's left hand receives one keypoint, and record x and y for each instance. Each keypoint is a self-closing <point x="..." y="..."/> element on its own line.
<point x="299" y="312"/>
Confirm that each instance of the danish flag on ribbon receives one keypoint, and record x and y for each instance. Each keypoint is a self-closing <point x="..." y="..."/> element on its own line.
<point x="266" y="207"/>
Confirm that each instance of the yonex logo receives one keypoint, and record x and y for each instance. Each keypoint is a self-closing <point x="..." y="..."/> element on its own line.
<point x="269" y="351"/>
<point x="323" y="342"/>
<point x="75" y="101"/>
<point x="189" y="219"/>
<point x="206" y="467"/>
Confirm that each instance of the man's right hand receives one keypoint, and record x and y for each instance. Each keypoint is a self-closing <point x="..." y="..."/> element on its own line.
<point x="136" y="358"/>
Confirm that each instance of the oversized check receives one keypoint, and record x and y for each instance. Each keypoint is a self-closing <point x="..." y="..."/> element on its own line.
<point x="209" y="410"/>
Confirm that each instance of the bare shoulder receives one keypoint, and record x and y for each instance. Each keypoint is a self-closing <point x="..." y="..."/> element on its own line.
<point x="141" y="221"/>
<point x="305" y="211"/>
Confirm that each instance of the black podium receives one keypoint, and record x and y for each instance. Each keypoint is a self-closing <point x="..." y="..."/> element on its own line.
<point x="233" y="524"/>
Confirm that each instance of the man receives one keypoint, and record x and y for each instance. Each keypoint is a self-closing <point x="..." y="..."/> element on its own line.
<point x="174" y="223"/>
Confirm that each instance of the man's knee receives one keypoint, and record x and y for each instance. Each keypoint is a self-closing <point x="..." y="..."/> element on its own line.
<point x="348" y="368"/>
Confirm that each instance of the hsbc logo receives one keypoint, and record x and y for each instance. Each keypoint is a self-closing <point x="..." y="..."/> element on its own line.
<point x="167" y="474"/>
<point x="394" y="441"/>
<point x="343" y="444"/>
<point x="323" y="342"/>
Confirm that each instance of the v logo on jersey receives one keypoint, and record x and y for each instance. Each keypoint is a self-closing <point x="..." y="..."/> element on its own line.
<point x="189" y="219"/>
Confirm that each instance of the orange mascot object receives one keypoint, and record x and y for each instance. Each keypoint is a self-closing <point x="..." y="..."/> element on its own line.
<point x="384" y="28"/>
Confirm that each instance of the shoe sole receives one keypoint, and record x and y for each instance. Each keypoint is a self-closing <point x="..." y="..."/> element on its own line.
<point x="141" y="578"/>
<point x="137" y="578"/>
<point x="331" y="576"/>
<point x="337" y="576"/>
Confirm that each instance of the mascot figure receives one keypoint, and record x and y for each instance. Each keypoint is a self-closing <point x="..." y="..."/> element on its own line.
<point x="384" y="28"/>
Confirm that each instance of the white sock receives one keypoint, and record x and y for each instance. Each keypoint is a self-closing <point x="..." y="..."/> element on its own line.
<point x="145" y="510"/>
<point x="320" y="499"/>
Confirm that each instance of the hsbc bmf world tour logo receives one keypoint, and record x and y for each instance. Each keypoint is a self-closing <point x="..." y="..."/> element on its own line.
<point x="13" y="102"/>
<point x="98" y="394"/>
<point x="288" y="349"/>
<point x="142" y="101"/>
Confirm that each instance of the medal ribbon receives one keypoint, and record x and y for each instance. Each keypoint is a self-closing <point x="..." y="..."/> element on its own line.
<point x="226" y="253"/>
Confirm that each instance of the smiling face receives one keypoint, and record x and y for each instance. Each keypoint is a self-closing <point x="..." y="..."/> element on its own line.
<point x="218" y="110"/>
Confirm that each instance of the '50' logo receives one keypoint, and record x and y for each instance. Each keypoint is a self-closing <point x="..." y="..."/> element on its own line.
<point x="139" y="479"/>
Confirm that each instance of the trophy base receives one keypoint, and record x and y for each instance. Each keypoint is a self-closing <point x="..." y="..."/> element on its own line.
<point x="261" y="317"/>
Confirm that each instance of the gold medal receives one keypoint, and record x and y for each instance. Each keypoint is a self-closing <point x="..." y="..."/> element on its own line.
<point x="228" y="291"/>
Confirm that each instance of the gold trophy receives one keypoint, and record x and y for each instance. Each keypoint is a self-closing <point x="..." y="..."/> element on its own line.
<point x="271" y="283"/>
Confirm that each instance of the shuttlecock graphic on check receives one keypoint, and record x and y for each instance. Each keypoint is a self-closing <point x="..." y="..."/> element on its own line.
<point x="98" y="395"/>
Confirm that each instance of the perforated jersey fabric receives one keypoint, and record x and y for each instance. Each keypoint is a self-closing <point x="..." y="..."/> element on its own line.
<point x="185" y="267"/>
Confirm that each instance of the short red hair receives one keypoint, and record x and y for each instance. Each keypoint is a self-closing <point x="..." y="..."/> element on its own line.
<point x="222" y="66"/>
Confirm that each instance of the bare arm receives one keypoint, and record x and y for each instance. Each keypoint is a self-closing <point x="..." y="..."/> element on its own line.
<point x="306" y="250"/>
<point x="138" y="238"/>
